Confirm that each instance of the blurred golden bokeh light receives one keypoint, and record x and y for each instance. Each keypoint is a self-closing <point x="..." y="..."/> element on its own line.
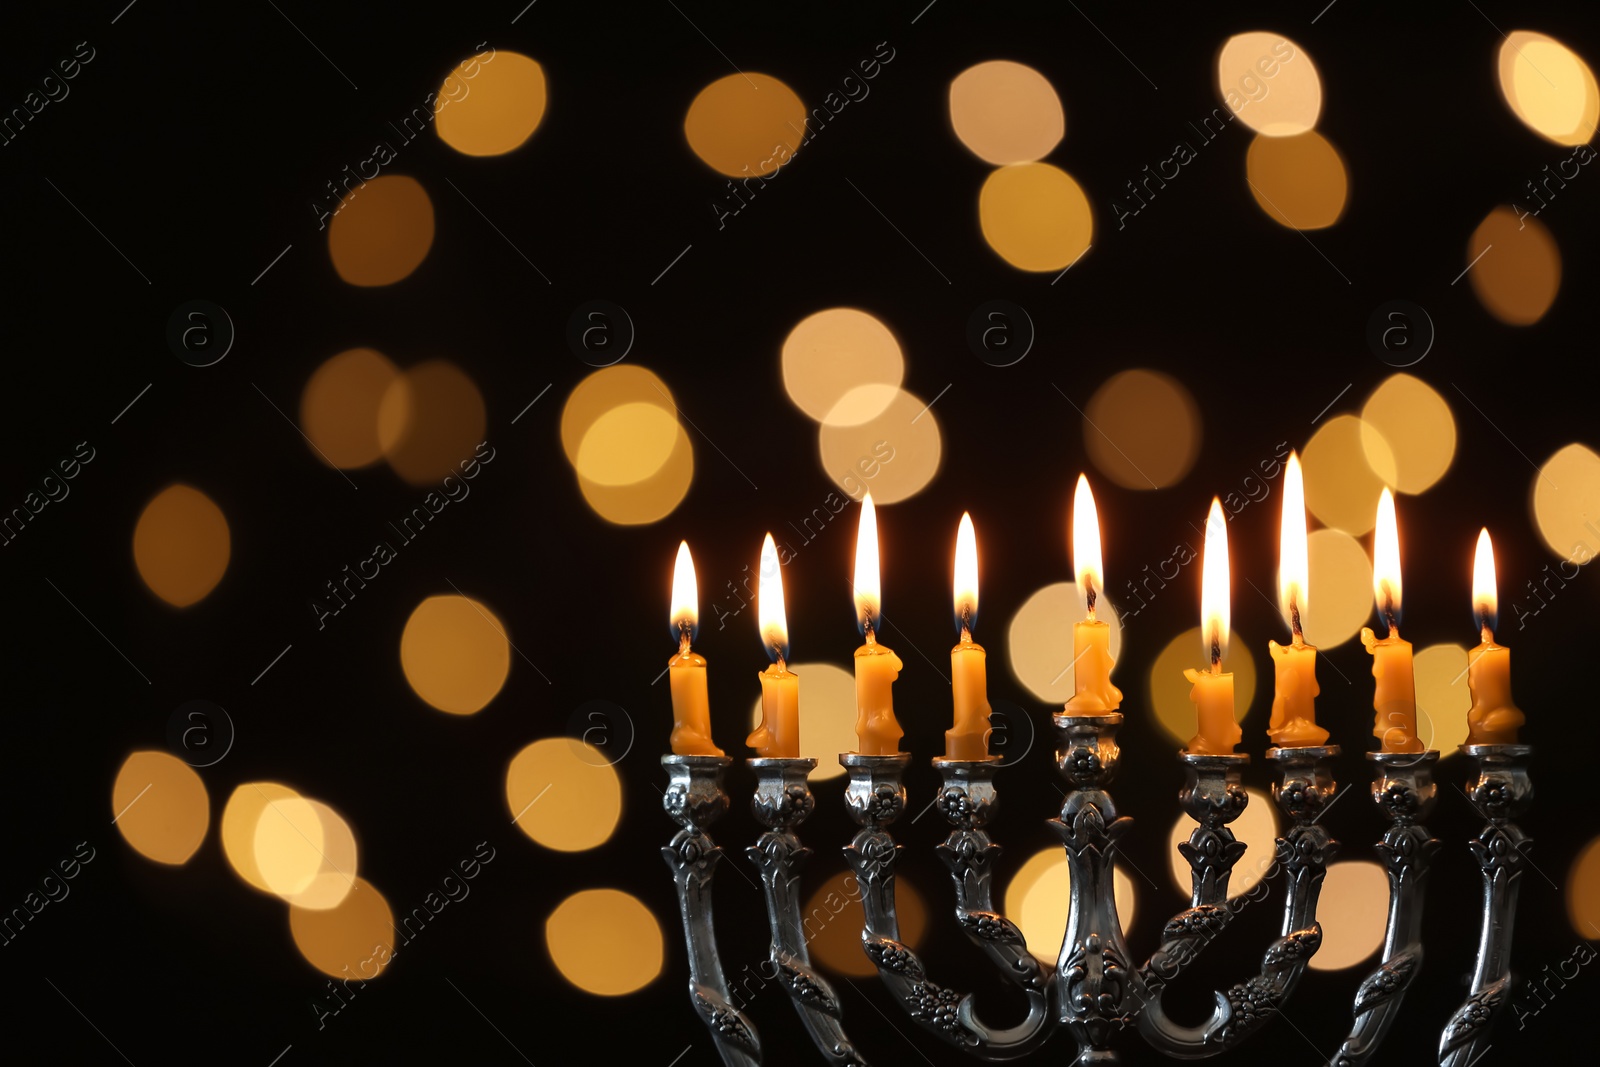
<point x="181" y="545"/>
<point x="1169" y="689"/>
<point x="650" y="500"/>
<point x="1257" y="827"/>
<point x="1409" y="423"/>
<point x="833" y="920"/>
<point x="1339" y="600"/>
<point x="1299" y="181"/>
<point x="240" y="817"/>
<point x="306" y="853"/>
<point x="382" y="231"/>
<point x="1549" y="87"/>
<point x="1269" y="83"/>
<point x="339" y="407"/>
<point x="1442" y="697"/>
<point x="430" y="420"/>
<point x="354" y="940"/>
<point x="1038" y="897"/>
<point x="830" y="715"/>
<point x="745" y="125"/>
<point x="1006" y="112"/>
<point x="1583" y="892"/>
<point x="894" y="454"/>
<point x="627" y="444"/>
<point x="565" y="794"/>
<point x="455" y="653"/>
<point x="831" y="353"/>
<point x="1346" y="465"/>
<point x="1353" y="911"/>
<point x="160" y="806"/>
<point x="1142" y="429"/>
<point x="490" y="108"/>
<point x="605" y="942"/>
<point x="1040" y="639"/>
<point x="604" y="390"/>
<point x="1566" y="504"/>
<point x="1035" y="216"/>
<point x="1515" y="266"/>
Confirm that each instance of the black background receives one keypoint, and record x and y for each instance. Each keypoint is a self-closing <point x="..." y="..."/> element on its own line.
<point x="198" y="137"/>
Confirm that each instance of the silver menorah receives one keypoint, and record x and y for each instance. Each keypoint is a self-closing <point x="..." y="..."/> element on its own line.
<point x="1096" y="991"/>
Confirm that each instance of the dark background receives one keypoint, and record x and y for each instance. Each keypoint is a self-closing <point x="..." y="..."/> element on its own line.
<point x="199" y="135"/>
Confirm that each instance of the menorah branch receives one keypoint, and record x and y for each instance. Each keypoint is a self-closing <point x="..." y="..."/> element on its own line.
<point x="781" y="802"/>
<point x="1402" y="786"/>
<point x="695" y="798"/>
<point x="1304" y="788"/>
<point x="1501" y="792"/>
<point x="876" y="797"/>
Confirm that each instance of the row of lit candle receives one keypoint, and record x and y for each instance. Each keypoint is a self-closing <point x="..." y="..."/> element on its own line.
<point x="1493" y="718"/>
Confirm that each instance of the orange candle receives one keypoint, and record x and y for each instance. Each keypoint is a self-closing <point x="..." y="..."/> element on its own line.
<point x="1294" y="716"/>
<point x="968" y="736"/>
<point x="878" y="732"/>
<point x="778" y="736"/>
<point x="1394" y="698"/>
<point x="1212" y="691"/>
<point x="691" y="707"/>
<point x="1092" y="691"/>
<point x="1494" y="717"/>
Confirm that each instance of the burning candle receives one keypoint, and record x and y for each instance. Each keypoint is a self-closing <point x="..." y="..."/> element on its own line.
<point x="1493" y="719"/>
<point x="1394" y="698"/>
<point x="778" y="736"/>
<point x="878" y="732"/>
<point x="1213" y="691"/>
<point x="1294" y="716"/>
<point x="968" y="737"/>
<point x="691" y="707"/>
<point x="1092" y="691"/>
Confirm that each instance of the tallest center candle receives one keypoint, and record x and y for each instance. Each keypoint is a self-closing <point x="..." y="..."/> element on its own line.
<point x="878" y="732"/>
<point x="1092" y="691"/>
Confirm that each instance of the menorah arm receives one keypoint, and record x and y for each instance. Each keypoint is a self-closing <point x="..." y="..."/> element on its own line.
<point x="876" y="797"/>
<point x="694" y="798"/>
<point x="1403" y="787"/>
<point x="1211" y="795"/>
<point x="781" y="802"/>
<point x="1502" y="791"/>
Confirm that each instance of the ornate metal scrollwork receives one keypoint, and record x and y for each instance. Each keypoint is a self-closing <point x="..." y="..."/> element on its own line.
<point x="1502" y="791"/>
<point x="694" y="798"/>
<point x="1303" y="788"/>
<point x="782" y="801"/>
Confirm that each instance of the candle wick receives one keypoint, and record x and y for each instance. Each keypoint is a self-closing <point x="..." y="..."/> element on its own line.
<point x="1388" y="617"/>
<point x="1294" y="623"/>
<point x="872" y="640"/>
<point x="783" y="668"/>
<point x="1089" y="594"/>
<point x="683" y="637"/>
<point x="1488" y="634"/>
<point x="1216" y="653"/>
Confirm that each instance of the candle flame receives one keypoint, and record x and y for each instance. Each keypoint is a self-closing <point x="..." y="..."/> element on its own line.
<point x="1086" y="543"/>
<point x="685" y="598"/>
<point x="869" y="599"/>
<point x="770" y="615"/>
<point x="1293" y="561"/>
<point x="1386" y="561"/>
<point x="966" y="575"/>
<point x="1214" y="586"/>
<point x="1485" y="595"/>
